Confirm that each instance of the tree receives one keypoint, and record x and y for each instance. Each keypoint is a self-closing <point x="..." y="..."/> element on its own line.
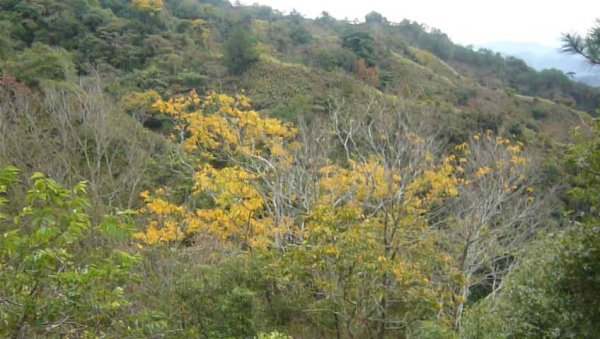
<point x="369" y="75"/>
<point x="369" y="249"/>
<point x="240" y="51"/>
<point x="375" y="18"/>
<point x="241" y="161"/>
<point x="496" y="213"/>
<point x="41" y="62"/>
<point x="299" y="34"/>
<point x="477" y="203"/>
<point x="549" y="294"/>
<point x="77" y="133"/>
<point x="53" y="280"/>
<point x="361" y="44"/>
<point x="588" y="46"/>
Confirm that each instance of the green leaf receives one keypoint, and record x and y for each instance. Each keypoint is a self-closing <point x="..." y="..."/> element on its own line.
<point x="8" y="176"/>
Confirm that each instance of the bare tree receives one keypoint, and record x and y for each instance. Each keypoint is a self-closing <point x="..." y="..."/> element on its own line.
<point x="496" y="213"/>
<point x="75" y="133"/>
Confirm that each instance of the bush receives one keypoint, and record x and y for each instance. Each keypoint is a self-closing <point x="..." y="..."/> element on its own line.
<point x="41" y="62"/>
<point x="330" y="59"/>
<point x="549" y="295"/>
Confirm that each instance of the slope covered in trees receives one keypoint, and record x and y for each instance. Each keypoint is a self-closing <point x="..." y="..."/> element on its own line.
<point x="220" y="171"/>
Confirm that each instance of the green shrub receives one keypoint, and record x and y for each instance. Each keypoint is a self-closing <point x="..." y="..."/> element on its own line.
<point x="240" y="51"/>
<point x="41" y="62"/>
<point x="55" y="278"/>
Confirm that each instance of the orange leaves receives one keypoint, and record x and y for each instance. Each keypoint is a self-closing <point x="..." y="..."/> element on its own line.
<point x="368" y="74"/>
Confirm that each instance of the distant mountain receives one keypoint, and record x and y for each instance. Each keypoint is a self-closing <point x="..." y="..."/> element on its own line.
<point x="542" y="57"/>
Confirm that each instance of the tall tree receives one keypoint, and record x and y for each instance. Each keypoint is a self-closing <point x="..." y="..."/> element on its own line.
<point x="362" y="45"/>
<point x="240" y="51"/>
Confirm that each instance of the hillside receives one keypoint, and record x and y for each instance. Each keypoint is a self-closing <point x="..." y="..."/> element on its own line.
<point x="191" y="168"/>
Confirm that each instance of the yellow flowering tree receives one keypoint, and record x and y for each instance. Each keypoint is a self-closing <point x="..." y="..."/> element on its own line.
<point x="393" y="234"/>
<point x="241" y="157"/>
<point x="370" y="249"/>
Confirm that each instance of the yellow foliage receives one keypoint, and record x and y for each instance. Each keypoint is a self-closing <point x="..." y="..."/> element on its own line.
<point x="514" y="149"/>
<point x="220" y="125"/>
<point x="140" y="101"/>
<point x="169" y="232"/>
<point x="517" y="160"/>
<point x="438" y="182"/>
<point x="162" y="207"/>
<point x="200" y="28"/>
<point x="149" y="6"/>
<point x="368" y="180"/>
<point x="237" y="214"/>
<point x="462" y="146"/>
<point x="483" y="171"/>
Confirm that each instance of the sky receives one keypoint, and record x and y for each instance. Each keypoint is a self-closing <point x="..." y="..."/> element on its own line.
<point x="467" y="22"/>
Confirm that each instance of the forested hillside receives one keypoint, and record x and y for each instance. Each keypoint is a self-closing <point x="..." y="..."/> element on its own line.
<point x="191" y="168"/>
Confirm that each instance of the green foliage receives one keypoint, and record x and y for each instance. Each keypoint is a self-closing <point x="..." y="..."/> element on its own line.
<point x="240" y="51"/>
<point x="232" y="297"/>
<point x="435" y="330"/>
<point x="6" y="43"/>
<point x="51" y="281"/>
<point x="215" y="304"/>
<point x="538" y="114"/>
<point x="549" y="295"/>
<point x="588" y="46"/>
<point x="300" y="105"/>
<point x="330" y="59"/>
<point x="488" y="67"/>
<point x="273" y="335"/>
<point x="300" y="35"/>
<point x="582" y="166"/>
<point x="41" y="62"/>
<point x="361" y="44"/>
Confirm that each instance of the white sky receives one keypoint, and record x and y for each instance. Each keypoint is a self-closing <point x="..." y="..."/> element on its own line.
<point x="466" y="21"/>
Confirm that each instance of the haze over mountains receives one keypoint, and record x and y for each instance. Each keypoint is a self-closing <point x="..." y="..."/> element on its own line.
<point x="540" y="57"/>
